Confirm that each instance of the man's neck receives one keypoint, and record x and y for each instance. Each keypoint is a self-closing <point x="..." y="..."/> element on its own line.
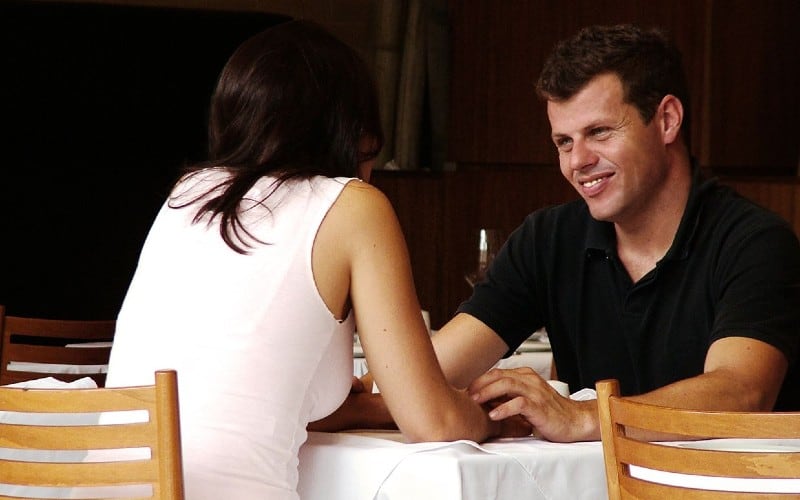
<point x="643" y="240"/>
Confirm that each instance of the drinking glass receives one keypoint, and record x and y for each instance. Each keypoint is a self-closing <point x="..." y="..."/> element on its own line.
<point x="489" y="242"/>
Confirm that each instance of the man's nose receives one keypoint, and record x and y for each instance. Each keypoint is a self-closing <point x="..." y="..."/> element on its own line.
<point x="581" y="155"/>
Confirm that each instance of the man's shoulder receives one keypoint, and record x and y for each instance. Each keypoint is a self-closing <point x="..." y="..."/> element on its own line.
<point x="725" y="208"/>
<point x="728" y="224"/>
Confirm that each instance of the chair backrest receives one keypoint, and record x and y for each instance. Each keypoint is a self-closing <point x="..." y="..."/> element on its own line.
<point x="65" y="349"/>
<point x="140" y="458"/>
<point x="636" y="467"/>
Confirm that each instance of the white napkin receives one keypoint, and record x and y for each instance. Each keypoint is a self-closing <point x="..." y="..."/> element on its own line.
<point x="12" y="417"/>
<point x="584" y="395"/>
<point x="54" y="383"/>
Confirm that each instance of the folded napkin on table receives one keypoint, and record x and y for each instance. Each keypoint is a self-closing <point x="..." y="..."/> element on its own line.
<point x="54" y="383"/>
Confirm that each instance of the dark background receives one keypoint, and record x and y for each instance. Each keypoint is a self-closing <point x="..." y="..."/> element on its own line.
<point x="102" y="104"/>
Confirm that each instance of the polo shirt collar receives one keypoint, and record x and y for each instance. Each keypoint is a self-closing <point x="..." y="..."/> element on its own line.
<point x="601" y="239"/>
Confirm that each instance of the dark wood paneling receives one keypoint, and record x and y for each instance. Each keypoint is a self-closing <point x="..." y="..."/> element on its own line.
<point x="754" y="82"/>
<point x="499" y="49"/>
<point x="495" y="116"/>
<point x="742" y="59"/>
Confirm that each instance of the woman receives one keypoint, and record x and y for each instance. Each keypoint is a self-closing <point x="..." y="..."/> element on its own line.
<point x="263" y="261"/>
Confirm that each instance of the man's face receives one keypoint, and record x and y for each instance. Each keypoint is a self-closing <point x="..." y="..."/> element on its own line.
<point x="615" y="161"/>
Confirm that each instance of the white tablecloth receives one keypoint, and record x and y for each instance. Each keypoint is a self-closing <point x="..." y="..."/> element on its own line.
<point x="378" y="466"/>
<point x="374" y="465"/>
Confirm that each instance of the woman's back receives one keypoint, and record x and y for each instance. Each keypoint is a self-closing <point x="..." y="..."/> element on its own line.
<point x="258" y="353"/>
<point x="245" y="285"/>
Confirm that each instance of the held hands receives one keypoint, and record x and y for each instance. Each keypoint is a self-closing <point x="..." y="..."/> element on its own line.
<point x="522" y="392"/>
<point x="518" y="400"/>
<point x="513" y="426"/>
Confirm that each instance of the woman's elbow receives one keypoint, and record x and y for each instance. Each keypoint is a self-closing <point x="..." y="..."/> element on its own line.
<point x="445" y="426"/>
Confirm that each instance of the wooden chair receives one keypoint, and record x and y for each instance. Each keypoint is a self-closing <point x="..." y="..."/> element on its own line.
<point x="52" y="341"/>
<point x="158" y="471"/>
<point x="622" y="451"/>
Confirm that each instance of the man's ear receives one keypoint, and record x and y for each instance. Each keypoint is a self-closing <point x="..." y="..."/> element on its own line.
<point x="670" y="115"/>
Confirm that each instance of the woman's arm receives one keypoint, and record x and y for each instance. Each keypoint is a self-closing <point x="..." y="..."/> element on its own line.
<point x="362" y="236"/>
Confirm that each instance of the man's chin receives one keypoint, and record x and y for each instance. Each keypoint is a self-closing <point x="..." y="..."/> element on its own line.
<point x="602" y="214"/>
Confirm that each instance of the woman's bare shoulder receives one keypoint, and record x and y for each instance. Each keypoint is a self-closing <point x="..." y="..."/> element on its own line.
<point x="361" y="199"/>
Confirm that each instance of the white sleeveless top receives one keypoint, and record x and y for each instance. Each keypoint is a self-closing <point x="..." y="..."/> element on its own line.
<point x="258" y="353"/>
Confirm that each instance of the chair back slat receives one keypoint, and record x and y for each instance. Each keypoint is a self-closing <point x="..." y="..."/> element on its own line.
<point x="122" y="437"/>
<point x="711" y="424"/>
<point x="644" y="490"/>
<point x="58" y="354"/>
<point x="82" y="346"/>
<point x="87" y="330"/>
<point x="780" y="465"/>
<point x="622" y="421"/>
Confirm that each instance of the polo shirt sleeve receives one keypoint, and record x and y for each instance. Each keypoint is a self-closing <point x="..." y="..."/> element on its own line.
<point x="757" y="280"/>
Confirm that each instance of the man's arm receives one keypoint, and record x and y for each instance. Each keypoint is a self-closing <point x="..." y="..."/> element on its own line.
<point x="741" y="374"/>
<point x="466" y="348"/>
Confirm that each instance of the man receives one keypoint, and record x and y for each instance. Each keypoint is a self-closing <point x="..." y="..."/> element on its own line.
<point x="682" y="290"/>
<point x="685" y="292"/>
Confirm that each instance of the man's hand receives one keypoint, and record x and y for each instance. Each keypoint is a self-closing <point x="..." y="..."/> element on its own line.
<point x="514" y="426"/>
<point x="522" y="392"/>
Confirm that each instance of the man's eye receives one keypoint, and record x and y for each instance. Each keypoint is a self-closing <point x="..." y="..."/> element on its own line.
<point x="600" y="132"/>
<point x="564" y="144"/>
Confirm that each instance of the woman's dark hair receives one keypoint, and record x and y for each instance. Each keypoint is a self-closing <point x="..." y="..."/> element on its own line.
<point x="291" y="102"/>
<point x="647" y="63"/>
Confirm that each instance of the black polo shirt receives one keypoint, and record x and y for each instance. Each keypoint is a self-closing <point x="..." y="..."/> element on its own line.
<point x="732" y="270"/>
